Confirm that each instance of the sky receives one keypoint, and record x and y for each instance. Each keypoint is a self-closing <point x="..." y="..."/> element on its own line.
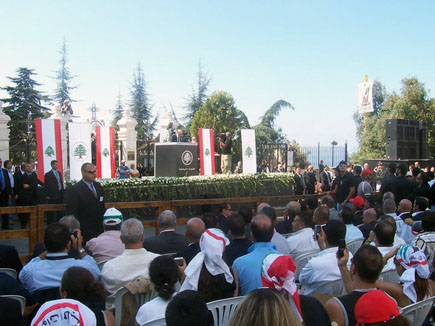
<point x="312" y="54"/>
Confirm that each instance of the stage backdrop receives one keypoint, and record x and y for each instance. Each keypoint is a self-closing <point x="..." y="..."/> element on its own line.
<point x="48" y="145"/>
<point x="206" y="151"/>
<point x="79" y="148"/>
<point x="249" y="151"/>
<point x="105" y="138"/>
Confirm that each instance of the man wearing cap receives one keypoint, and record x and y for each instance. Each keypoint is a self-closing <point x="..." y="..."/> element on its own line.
<point x="108" y="244"/>
<point x="343" y="186"/>
<point x="364" y="188"/>
<point x="358" y="205"/>
<point x="123" y="171"/>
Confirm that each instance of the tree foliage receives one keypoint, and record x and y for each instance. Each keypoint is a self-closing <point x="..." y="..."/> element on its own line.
<point x="64" y="78"/>
<point x="140" y="105"/>
<point x="117" y="112"/>
<point x="412" y="102"/>
<point x="23" y="106"/>
<point x="198" y="96"/>
<point x="265" y="131"/>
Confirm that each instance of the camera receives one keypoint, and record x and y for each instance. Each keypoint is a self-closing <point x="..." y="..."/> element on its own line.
<point x="73" y="233"/>
<point x="222" y="137"/>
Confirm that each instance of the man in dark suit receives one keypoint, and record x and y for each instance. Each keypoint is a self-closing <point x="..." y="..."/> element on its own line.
<point x="6" y="191"/>
<point x="299" y="182"/>
<point x="310" y="180"/>
<point x="178" y="137"/>
<point x="168" y="241"/>
<point x="325" y="179"/>
<point x="28" y="192"/>
<point x="53" y="186"/>
<point x="85" y="200"/>
<point x="9" y="258"/>
<point x="195" y="227"/>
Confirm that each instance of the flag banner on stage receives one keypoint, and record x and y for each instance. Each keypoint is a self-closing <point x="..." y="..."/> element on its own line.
<point x="48" y="145"/>
<point x="79" y="148"/>
<point x="206" y="151"/>
<point x="249" y="151"/>
<point x="105" y="141"/>
<point x="365" y="97"/>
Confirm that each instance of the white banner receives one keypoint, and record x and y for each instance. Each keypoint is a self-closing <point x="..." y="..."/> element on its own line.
<point x="249" y="151"/>
<point x="206" y="148"/>
<point x="105" y="146"/>
<point x="79" y="148"/>
<point x="365" y="97"/>
<point x="164" y="135"/>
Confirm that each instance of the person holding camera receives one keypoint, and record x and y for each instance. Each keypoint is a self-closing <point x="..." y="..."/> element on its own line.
<point x="225" y="143"/>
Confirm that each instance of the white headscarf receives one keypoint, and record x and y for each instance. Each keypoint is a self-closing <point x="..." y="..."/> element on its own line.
<point x="212" y="244"/>
<point x="414" y="261"/>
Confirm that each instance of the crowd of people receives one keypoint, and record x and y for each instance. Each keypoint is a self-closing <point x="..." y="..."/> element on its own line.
<point x="89" y="255"/>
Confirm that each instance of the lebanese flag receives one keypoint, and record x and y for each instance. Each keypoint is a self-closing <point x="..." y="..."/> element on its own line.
<point x="48" y="145"/>
<point x="105" y="138"/>
<point x="206" y="151"/>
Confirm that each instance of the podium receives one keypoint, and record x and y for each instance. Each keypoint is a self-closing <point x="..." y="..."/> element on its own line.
<point x="175" y="159"/>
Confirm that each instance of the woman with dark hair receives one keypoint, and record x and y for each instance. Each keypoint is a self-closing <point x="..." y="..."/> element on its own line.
<point x="79" y="284"/>
<point x="164" y="274"/>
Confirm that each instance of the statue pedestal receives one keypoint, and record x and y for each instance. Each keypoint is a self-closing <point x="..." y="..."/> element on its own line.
<point x="127" y="135"/>
<point x="4" y="135"/>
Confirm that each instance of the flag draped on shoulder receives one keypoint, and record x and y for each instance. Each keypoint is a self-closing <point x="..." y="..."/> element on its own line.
<point x="206" y="150"/>
<point x="105" y="145"/>
<point x="48" y="145"/>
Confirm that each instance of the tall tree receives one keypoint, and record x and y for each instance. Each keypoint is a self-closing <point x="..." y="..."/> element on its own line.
<point x="64" y="78"/>
<point x="198" y="96"/>
<point x="140" y="106"/>
<point x="117" y="113"/>
<point x="23" y="106"/>
<point x="265" y="131"/>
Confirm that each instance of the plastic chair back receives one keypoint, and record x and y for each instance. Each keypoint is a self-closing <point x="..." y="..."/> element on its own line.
<point x="416" y="313"/>
<point x="11" y="272"/>
<point x="223" y="310"/>
<point x="333" y="287"/>
<point x="354" y="245"/>
<point x="389" y="276"/>
<point x="140" y="298"/>
<point x="302" y="260"/>
<point x="20" y="298"/>
<point x="156" y="322"/>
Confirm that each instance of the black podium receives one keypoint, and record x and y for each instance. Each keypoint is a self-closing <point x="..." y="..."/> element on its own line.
<point x="175" y="159"/>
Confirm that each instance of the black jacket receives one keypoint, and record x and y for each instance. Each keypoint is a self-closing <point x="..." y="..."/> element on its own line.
<point x="165" y="242"/>
<point x="51" y="186"/>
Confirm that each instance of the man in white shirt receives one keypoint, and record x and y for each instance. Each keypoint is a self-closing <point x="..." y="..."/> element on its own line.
<point x="302" y="239"/>
<point x="133" y="263"/>
<point x="352" y="232"/>
<point x="403" y="230"/>
<point x="323" y="268"/>
<point x="384" y="239"/>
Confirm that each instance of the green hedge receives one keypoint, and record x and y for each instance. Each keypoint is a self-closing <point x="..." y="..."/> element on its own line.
<point x="198" y="187"/>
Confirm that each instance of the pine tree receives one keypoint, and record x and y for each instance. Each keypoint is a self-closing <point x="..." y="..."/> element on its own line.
<point x="23" y="106"/>
<point x="198" y="96"/>
<point x="117" y="113"/>
<point x="64" y="78"/>
<point x="140" y="106"/>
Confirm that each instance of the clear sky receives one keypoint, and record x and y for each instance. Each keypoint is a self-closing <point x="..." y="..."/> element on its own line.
<point x="310" y="53"/>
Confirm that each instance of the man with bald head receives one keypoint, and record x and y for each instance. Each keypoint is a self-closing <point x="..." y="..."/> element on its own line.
<point x="369" y="222"/>
<point x="195" y="227"/>
<point x="404" y="209"/>
<point x="168" y="241"/>
<point x="248" y="267"/>
<point x="291" y="209"/>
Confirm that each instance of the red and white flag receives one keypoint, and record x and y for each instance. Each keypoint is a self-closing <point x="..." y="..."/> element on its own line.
<point x="105" y="138"/>
<point x="206" y="150"/>
<point x="48" y="145"/>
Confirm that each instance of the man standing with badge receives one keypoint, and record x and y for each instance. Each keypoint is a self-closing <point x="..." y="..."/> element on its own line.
<point x="85" y="200"/>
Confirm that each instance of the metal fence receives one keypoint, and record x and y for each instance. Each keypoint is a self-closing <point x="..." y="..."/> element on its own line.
<point x="331" y="155"/>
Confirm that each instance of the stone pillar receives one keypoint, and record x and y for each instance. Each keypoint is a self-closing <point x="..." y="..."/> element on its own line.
<point x="63" y="136"/>
<point x="127" y="135"/>
<point x="4" y="134"/>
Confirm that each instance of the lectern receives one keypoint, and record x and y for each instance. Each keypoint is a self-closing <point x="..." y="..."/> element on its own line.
<point x="175" y="159"/>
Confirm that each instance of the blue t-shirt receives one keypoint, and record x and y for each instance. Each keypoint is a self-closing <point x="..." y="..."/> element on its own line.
<point x="122" y="175"/>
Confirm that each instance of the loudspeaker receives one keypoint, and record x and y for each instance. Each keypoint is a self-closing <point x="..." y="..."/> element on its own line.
<point x="400" y="149"/>
<point x="397" y="129"/>
<point x="422" y="137"/>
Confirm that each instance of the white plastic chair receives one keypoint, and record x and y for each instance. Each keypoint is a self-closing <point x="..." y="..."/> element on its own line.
<point x="223" y="310"/>
<point x="389" y="276"/>
<point x="20" y="298"/>
<point x="354" y="245"/>
<point x="11" y="272"/>
<point x="416" y="313"/>
<point x="333" y="287"/>
<point x="302" y="260"/>
<point x="141" y="298"/>
<point x="156" y="322"/>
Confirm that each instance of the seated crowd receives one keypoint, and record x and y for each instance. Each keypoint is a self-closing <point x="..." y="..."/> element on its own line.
<point x="237" y="253"/>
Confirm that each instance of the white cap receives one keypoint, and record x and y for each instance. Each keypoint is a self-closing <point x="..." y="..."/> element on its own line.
<point x="112" y="217"/>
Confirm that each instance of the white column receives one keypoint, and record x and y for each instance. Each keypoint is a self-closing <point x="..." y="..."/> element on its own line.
<point x="4" y="134"/>
<point x="127" y="135"/>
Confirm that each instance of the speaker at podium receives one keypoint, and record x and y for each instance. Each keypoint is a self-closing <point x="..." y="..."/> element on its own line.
<point x="175" y="159"/>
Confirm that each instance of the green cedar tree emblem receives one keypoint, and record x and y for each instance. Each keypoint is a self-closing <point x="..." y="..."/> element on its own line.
<point x="207" y="152"/>
<point x="106" y="152"/>
<point x="80" y="150"/>
<point x="248" y="152"/>
<point x="49" y="151"/>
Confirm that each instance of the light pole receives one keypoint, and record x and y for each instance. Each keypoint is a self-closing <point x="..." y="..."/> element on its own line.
<point x="334" y="143"/>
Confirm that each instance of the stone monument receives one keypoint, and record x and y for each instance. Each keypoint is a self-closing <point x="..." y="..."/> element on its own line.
<point x="4" y="134"/>
<point x="127" y="135"/>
